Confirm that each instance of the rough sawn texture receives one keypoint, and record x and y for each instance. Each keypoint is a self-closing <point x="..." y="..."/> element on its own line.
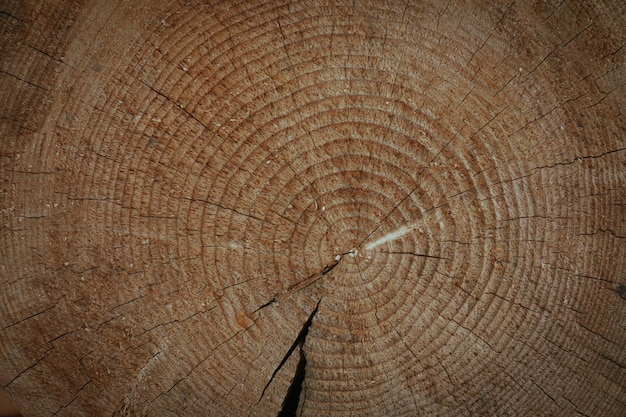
<point x="342" y="208"/>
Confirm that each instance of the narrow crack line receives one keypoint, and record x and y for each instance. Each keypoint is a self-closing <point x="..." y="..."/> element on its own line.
<point x="197" y="365"/>
<point x="545" y="392"/>
<point x="302" y="284"/>
<point x="176" y="104"/>
<point x="171" y="322"/>
<point x="19" y="171"/>
<point x="380" y="223"/>
<point x="57" y="60"/>
<point x="316" y="194"/>
<point x="541" y="61"/>
<point x="609" y="231"/>
<point x="600" y="335"/>
<point x="615" y="362"/>
<point x="28" y="368"/>
<point x="5" y="13"/>
<point x="577" y="35"/>
<point x="369" y="295"/>
<point x="576" y="408"/>
<point x="30" y="317"/>
<point x="300" y="339"/>
<point x="405" y="343"/>
<point x="420" y="255"/>
<point x="223" y="207"/>
<point x="554" y="10"/>
<point x="308" y="281"/>
<point x="513" y="302"/>
<point x="602" y="98"/>
<point x="24" y="80"/>
<point x="581" y="158"/>
<point x="63" y="407"/>
<point x="419" y="177"/>
<point x="515" y="380"/>
<point x="240" y="283"/>
<point x="494" y="29"/>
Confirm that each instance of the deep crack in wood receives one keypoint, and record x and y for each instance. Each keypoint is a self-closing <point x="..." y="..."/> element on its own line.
<point x="300" y="339"/>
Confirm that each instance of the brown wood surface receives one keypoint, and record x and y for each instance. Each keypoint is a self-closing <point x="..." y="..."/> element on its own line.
<point x="347" y="208"/>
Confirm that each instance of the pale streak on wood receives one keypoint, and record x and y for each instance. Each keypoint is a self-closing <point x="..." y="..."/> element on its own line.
<point x="396" y="234"/>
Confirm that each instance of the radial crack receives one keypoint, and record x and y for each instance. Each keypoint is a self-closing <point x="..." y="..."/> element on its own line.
<point x="290" y="404"/>
<point x="309" y="280"/>
<point x="302" y="284"/>
<point x="299" y="342"/>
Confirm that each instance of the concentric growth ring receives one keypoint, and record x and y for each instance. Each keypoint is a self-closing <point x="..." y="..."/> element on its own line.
<point x="303" y="207"/>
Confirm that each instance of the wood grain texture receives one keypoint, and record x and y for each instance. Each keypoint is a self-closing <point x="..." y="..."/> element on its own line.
<point x="387" y="208"/>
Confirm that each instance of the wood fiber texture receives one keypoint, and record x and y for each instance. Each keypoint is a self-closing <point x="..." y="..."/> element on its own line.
<point x="342" y="208"/>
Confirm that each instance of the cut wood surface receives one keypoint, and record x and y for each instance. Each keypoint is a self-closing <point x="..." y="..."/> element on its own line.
<point x="312" y="208"/>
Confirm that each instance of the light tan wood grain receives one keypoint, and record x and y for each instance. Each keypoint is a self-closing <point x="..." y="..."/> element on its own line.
<point x="353" y="208"/>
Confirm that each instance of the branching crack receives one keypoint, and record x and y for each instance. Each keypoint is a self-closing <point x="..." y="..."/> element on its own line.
<point x="299" y="375"/>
